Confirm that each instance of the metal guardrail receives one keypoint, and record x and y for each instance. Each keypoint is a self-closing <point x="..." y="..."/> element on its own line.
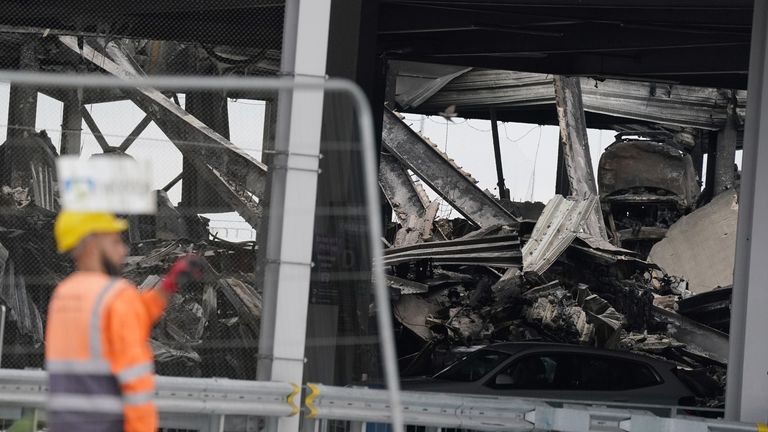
<point x="222" y="397"/>
<point x="215" y="396"/>
<point x="491" y="413"/>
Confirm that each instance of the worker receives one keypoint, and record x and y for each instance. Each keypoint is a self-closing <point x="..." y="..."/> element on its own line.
<point x="97" y="352"/>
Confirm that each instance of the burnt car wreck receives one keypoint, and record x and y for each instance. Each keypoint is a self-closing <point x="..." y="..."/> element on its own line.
<point x="645" y="187"/>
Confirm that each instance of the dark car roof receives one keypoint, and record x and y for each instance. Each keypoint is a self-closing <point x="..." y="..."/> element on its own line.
<point x="520" y="347"/>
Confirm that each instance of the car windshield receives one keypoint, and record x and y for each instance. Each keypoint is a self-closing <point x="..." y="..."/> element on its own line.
<point x="473" y="366"/>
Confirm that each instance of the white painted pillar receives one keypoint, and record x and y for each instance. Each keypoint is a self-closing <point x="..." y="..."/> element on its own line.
<point x="293" y="195"/>
<point x="747" y="390"/>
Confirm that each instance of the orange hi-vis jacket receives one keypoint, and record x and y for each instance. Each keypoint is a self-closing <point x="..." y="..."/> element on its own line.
<point x="97" y="353"/>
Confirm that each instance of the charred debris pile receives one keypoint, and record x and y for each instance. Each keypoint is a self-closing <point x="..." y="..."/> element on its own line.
<point x="574" y="271"/>
<point x="209" y="329"/>
<point x="538" y="281"/>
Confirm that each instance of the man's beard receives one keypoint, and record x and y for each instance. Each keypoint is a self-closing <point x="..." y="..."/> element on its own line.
<point x="110" y="268"/>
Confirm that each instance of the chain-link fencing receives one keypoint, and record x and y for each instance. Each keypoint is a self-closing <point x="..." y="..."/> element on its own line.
<point x="211" y="151"/>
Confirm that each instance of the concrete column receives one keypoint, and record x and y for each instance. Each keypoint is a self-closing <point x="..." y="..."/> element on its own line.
<point x="709" y="182"/>
<point x="747" y="389"/>
<point x="576" y="155"/>
<point x="22" y="100"/>
<point x="210" y="107"/>
<point x="724" y="172"/>
<point x="71" y="125"/>
<point x="697" y="154"/>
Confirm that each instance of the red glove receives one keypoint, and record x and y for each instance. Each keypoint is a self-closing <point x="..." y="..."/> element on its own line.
<point x="185" y="270"/>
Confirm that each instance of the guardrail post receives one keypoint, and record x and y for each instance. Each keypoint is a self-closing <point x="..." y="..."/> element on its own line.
<point x="356" y="426"/>
<point x="216" y="423"/>
<point x="309" y="424"/>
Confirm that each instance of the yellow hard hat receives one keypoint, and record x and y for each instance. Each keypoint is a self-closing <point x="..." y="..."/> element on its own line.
<point x="72" y="227"/>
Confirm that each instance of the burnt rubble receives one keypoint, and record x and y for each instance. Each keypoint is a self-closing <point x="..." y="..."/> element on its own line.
<point x="209" y="328"/>
<point x="606" y="298"/>
<point x="576" y="271"/>
<point x="29" y="266"/>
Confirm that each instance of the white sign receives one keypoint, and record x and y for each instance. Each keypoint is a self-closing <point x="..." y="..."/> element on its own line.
<point x="106" y="183"/>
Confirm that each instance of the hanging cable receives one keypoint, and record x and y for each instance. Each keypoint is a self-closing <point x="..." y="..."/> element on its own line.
<point x="506" y="133"/>
<point x="532" y="180"/>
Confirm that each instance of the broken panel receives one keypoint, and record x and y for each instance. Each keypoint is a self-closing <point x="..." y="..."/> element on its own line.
<point x="555" y="230"/>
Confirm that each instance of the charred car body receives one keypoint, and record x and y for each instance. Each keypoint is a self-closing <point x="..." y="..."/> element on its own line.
<point x="645" y="186"/>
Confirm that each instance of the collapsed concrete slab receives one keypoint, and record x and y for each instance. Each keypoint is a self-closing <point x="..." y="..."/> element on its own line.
<point x="701" y="246"/>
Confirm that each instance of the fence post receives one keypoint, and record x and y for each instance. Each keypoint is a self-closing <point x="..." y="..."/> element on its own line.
<point x="216" y="423"/>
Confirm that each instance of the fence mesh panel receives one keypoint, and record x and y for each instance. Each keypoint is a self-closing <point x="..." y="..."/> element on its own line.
<point x="211" y="153"/>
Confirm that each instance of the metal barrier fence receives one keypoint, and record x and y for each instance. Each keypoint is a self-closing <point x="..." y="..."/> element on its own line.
<point x="358" y="409"/>
<point x="203" y="405"/>
<point x="208" y="401"/>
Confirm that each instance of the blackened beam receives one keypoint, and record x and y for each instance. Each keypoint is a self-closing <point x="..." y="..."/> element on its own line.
<point x="173" y="182"/>
<point x="235" y="175"/>
<point x="656" y="103"/>
<point x="503" y="191"/>
<point x="499" y="251"/>
<point x="436" y="170"/>
<point x="399" y="189"/>
<point x="561" y="175"/>
<point x="129" y="140"/>
<point x="191" y="136"/>
<point x="105" y="147"/>
<point x="404" y="196"/>
<point x="578" y="162"/>
<point x="698" y="337"/>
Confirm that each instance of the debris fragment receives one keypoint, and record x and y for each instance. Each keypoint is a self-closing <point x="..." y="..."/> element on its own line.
<point x="701" y="247"/>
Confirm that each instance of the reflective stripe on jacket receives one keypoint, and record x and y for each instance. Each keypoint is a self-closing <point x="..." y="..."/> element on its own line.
<point x="99" y="362"/>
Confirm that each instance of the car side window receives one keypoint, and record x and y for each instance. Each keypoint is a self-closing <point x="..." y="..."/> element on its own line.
<point x="606" y="373"/>
<point x="474" y="366"/>
<point x="535" y="372"/>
